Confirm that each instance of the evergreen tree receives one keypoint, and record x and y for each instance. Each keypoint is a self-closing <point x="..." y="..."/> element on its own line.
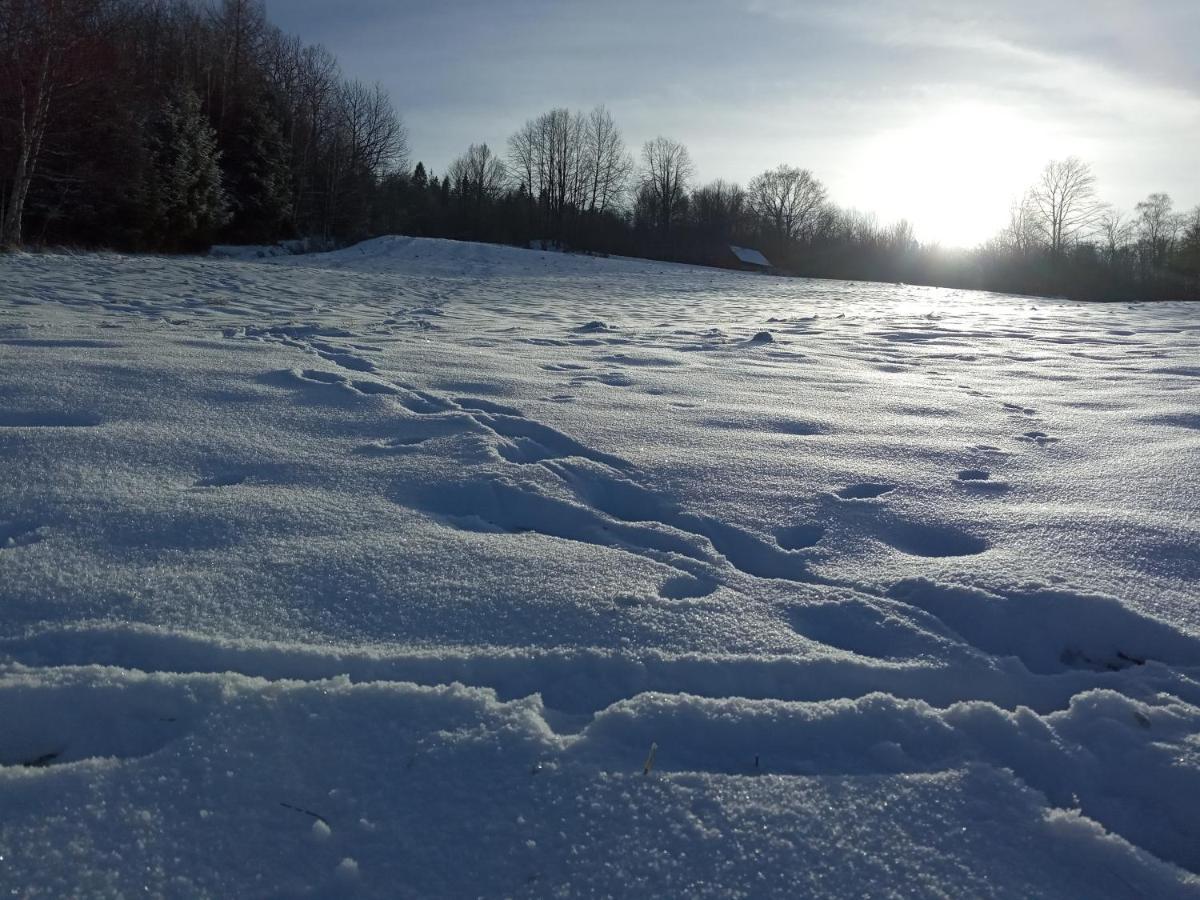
<point x="419" y="179"/>
<point x="185" y="200"/>
<point x="258" y="176"/>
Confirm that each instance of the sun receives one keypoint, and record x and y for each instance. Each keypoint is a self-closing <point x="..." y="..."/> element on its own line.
<point x="953" y="173"/>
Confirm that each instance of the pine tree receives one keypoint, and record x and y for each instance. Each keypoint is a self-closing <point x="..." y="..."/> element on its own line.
<point x="419" y="179"/>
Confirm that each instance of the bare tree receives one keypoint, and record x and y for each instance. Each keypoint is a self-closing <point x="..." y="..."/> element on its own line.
<point x="43" y="67"/>
<point x="1115" y="231"/>
<point x="484" y="173"/>
<point x="718" y="209"/>
<point x="365" y="141"/>
<point x="900" y="236"/>
<point x="1022" y="234"/>
<point x="547" y="155"/>
<point x="1189" y="249"/>
<point x="606" y="163"/>
<point x="1158" y="228"/>
<point x="1064" y="203"/>
<point x="377" y="141"/>
<point x="666" y="171"/>
<point x="788" y="201"/>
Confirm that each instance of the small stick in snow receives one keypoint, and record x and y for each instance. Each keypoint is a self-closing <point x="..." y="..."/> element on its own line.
<point x="649" y="759"/>
<point x="307" y="812"/>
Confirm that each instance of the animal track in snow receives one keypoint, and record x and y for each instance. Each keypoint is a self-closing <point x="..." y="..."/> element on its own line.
<point x="688" y="587"/>
<point x="1051" y="630"/>
<point x="865" y="490"/>
<point x="348" y="360"/>
<point x="615" y="379"/>
<point x="868" y="628"/>
<point x="340" y="356"/>
<point x="628" y="501"/>
<point x="323" y="377"/>
<point x="501" y="505"/>
<point x="974" y="475"/>
<point x="799" y="537"/>
<point x="528" y="441"/>
<point x="111" y="723"/>
<point x="373" y="387"/>
<point x="980" y="481"/>
<point x="922" y="539"/>
<point x="475" y="404"/>
<point x="1017" y="408"/>
<point x="1038" y="437"/>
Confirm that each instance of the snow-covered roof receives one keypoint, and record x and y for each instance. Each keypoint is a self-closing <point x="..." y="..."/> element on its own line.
<point x="746" y="255"/>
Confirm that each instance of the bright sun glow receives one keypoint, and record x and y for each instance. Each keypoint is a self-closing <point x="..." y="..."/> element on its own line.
<point x="953" y="174"/>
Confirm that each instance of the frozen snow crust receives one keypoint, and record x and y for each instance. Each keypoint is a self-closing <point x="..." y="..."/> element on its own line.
<point x="379" y="572"/>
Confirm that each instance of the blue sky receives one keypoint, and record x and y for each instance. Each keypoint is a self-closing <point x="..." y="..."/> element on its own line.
<point x="941" y="111"/>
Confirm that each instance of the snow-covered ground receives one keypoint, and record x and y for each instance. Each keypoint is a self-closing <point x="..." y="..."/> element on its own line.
<point x="381" y="572"/>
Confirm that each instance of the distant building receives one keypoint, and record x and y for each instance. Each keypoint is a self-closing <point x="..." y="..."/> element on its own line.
<point x="748" y="260"/>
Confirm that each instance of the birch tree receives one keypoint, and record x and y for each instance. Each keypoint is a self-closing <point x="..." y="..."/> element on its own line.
<point x="44" y="65"/>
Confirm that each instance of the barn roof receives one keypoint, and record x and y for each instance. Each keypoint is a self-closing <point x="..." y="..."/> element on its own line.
<point x="751" y="257"/>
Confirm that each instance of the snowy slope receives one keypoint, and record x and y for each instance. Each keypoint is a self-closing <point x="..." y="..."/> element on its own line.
<point x="380" y="572"/>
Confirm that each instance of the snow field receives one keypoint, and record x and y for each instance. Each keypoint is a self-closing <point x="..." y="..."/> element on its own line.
<point x="380" y="572"/>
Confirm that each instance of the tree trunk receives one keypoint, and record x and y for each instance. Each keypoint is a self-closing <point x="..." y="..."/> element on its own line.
<point x="34" y="117"/>
<point x="10" y="227"/>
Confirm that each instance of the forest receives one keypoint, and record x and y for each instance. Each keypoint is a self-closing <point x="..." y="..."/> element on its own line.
<point x="170" y="125"/>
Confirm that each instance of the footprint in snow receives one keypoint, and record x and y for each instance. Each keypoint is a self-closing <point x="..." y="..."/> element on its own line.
<point x="932" y="540"/>
<point x="373" y="387"/>
<point x="799" y="537"/>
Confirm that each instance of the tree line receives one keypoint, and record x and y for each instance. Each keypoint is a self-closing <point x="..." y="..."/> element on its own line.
<point x="166" y="125"/>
